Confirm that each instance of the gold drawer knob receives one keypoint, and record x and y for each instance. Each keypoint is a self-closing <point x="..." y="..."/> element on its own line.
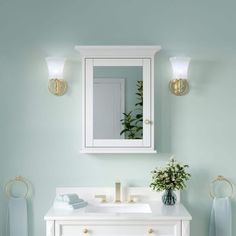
<point x="85" y="231"/>
<point x="150" y="231"/>
<point x="147" y="122"/>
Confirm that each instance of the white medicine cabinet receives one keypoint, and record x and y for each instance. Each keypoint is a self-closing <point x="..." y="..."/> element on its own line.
<point x="118" y="98"/>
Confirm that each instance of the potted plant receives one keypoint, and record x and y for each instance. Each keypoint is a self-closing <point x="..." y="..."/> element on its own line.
<point x="170" y="178"/>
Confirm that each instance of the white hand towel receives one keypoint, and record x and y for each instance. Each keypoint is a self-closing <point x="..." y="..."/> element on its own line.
<point x="221" y="219"/>
<point x="17" y="217"/>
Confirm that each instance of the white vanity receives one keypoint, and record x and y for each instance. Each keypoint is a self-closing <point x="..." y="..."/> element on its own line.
<point x="140" y="212"/>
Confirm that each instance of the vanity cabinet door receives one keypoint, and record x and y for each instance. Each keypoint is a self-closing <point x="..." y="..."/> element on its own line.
<point x="165" y="228"/>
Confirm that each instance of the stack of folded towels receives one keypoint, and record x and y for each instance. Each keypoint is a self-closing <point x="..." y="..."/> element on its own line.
<point x="69" y="202"/>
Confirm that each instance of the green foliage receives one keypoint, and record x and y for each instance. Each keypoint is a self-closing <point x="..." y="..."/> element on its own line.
<point x="173" y="176"/>
<point x="133" y="120"/>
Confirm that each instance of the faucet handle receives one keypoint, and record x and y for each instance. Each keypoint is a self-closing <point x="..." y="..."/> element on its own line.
<point x="133" y="198"/>
<point x="103" y="198"/>
<point x="117" y="192"/>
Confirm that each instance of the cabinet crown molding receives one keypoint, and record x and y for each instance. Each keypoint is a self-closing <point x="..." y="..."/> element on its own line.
<point x="117" y="51"/>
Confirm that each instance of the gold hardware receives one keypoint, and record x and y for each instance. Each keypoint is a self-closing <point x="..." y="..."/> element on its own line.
<point x="220" y="178"/>
<point x="147" y="122"/>
<point x="102" y="198"/>
<point x="17" y="179"/>
<point x="150" y="231"/>
<point x="117" y="192"/>
<point x="85" y="231"/>
<point x="57" y="87"/>
<point x="133" y="198"/>
<point x="179" y="87"/>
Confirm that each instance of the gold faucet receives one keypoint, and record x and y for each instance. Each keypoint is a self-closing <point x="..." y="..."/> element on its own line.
<point x="117" y="192"/>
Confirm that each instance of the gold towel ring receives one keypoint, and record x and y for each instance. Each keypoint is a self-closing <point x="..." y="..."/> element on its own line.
<point x="12" y="181"/>
<point x="220" y="178"/>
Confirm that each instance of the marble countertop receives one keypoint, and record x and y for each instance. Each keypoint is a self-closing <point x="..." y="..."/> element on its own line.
<point x="158" y="212"/>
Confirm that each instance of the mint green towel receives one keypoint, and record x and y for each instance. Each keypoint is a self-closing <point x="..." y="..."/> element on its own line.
<point x="69" y="198"/>
<point x="221" y="221"/>
<point x="17" y="217"/>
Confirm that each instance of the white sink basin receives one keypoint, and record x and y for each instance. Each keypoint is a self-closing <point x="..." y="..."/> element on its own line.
<point x="119" y="208"/>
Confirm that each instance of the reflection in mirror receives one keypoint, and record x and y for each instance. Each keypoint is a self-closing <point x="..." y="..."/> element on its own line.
<point x="118" y="102"/>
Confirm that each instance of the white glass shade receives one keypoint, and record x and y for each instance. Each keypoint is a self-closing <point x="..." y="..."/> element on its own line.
<point x="55" y="67"/>
<point x="180" y="67"/>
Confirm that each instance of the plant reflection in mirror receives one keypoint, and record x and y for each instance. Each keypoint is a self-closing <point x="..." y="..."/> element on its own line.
<point x="133" y="120"/>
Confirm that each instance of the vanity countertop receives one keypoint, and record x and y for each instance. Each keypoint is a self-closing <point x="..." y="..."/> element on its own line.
<point x="158" y="212"/>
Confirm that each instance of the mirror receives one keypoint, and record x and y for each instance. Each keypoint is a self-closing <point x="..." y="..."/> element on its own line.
<point x="118" y="102"/>
<point x="118" y="98"/>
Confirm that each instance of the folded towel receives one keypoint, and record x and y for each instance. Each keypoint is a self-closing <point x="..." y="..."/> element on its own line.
<point x="17" y="217"/>
<point x="66" y="206"/>
<point x="70" y="198"/>
<point x="221" y="221"/>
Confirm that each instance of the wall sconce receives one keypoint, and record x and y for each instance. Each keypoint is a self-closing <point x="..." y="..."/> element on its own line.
<point x="179" y="85"/>
<point x="56" y="85"/>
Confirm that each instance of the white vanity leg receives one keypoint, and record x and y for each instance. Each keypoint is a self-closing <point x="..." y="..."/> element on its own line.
<point x="50" y="226"/>
<point x="185" y="228"/>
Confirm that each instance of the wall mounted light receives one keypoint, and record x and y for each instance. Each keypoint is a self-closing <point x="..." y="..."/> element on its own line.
<point x="57" y="85"/>
<point x="179" y="85"/>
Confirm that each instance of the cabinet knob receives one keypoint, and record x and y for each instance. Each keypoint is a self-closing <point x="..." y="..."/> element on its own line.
<point x="150" y="231"/>
<point x="147" y="122"/>
<point x="85" y="231"/>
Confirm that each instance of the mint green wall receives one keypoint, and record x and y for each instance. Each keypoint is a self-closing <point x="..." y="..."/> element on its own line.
<point x="41" y="133"/>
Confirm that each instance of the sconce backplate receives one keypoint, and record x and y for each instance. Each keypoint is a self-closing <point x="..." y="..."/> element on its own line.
<point x="57" y="87"/>
<point x="179" y="87"/>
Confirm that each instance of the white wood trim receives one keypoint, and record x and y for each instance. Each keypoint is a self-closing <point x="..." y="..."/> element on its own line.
<point x="117" y="51"/>
<point x="118" y="142"/>
<point x="89" y="101"/>
<point x="152" y="103"/>
<point x="83" y="110"/>
<point x="117" y="62"/>
<point x="117" y="150"/>
<point x="146" y="102"/>
<point x="118" y="222"/>
<point x="50" y="228"/>
<point x="178" y="229"/>
<point x="186" y="228"/>
<point x="58" y="229"/>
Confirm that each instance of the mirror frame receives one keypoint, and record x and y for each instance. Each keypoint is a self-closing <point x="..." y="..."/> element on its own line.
<point x="118" y="56"/>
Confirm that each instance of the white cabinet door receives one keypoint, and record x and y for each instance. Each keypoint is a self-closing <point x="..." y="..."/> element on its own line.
<point x="165" y="228"/>
<point x="136" y="65"/>
<point x="91" y="140"/>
